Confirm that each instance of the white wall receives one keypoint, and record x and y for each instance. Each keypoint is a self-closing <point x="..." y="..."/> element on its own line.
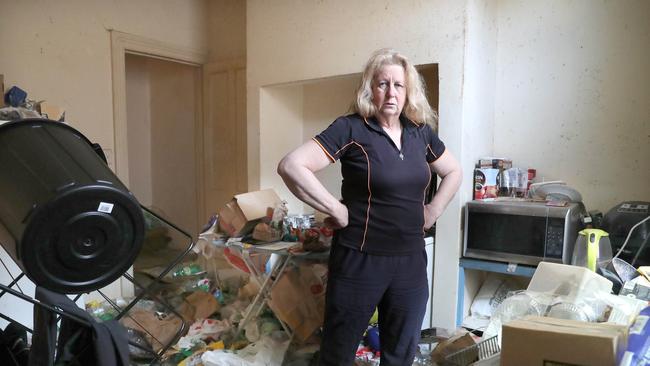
<point x="324" y="101"/>
<point x="300" y="111"/>
<point x="293" y="41"/>
<point x="573" y="92"/>
<point x="479" y="86"/>
<point x="60" y="50"/>
<point x="284" y="122"/>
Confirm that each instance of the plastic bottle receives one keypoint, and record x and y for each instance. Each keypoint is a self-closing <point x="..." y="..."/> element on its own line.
<point x="187" y="270"/>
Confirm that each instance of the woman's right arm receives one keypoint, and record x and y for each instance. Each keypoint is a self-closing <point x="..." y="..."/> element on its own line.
<point x="297" y="170"/>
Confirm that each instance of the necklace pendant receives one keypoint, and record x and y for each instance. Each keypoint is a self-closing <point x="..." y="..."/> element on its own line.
<point x="401" y="156"/>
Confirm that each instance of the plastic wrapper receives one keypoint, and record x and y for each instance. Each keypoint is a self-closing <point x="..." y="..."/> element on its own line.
<point x="317" y="239"/>
<point x="517" y="305"/>
<point x="638" y="345"/>
<point x="279" y="213"/>
<point x="268" y="351"/>
<point x="299" y="221"/>
<point x="573" y="311"/>
<point x="101" y="310"/>
<point x="597" y="307"/>
<point x="514" y="183"/>
<point x="209" y="328"/>
<point x="139" y="347"/>
<point x="365" y="356"/>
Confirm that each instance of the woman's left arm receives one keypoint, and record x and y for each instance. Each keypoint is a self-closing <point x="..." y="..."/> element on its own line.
<point x="450" y="173"/>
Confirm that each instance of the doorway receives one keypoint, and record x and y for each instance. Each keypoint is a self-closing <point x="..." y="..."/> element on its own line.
<point x="162" y="125"/>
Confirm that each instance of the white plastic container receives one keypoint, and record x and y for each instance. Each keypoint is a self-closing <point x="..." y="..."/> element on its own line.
<point x="576" y="283"/>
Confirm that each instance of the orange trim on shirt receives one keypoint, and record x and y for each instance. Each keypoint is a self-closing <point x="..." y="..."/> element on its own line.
<point x="344" y="146"/>
<point x="424" y="197"/>
<point x="365" y="231"/>
<point x="324" y="149"/>
<point x="415" y="123"/>
<point x="434" y="154"/>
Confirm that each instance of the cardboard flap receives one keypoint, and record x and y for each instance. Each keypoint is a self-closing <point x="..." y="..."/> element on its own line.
<point x="546" y="324"/>
<point x="254" y="204"/>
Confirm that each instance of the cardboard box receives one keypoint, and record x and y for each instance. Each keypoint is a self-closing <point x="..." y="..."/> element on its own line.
<point x="239" y="216"/>
<point x="51" y="111"/>
<point x="496" y="163"/>
<point x="548" y="341"/>
<point x="452" y="345"/>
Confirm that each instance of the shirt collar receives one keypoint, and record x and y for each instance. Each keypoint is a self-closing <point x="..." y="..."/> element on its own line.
<point x="407" y="124"/>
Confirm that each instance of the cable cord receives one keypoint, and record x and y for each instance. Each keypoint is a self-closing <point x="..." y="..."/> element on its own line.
<point x="629" y="234"/>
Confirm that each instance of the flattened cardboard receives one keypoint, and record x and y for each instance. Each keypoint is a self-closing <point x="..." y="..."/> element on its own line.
<point x="239" y="216"/>
<point x="51" y="111"/>
<point x="254" y="204"/>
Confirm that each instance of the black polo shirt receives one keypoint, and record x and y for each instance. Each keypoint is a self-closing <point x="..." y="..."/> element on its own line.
<point x="383" y="188"/>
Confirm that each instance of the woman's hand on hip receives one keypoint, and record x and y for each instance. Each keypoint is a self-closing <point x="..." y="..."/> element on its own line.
<point x="339" y="218"/>
<point x="431" y="214"/>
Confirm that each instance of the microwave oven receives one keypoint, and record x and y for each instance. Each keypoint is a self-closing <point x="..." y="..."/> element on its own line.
<point x="521" y="232"/>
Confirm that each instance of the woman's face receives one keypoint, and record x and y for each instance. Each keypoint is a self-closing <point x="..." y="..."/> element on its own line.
<point x="389" y="91"/>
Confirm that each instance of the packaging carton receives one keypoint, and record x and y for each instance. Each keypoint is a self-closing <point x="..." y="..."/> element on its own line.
<point x="454" y="344"/>
<point x="51" y="111"/>
<point x="547" y="341"/>
<point x="496" y="163"/>
<point x="239" y="216"/>
<point x="488" y="175"/>
<point x="485" y="183"/>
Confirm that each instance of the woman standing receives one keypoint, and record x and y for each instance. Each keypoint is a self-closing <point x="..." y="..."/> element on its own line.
<point x="388" y="149"/>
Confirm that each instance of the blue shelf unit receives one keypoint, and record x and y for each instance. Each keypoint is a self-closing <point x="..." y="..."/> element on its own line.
<point x="488" y="266"/>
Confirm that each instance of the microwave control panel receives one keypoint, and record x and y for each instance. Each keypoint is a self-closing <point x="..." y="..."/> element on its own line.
<point x="554" y="238"/>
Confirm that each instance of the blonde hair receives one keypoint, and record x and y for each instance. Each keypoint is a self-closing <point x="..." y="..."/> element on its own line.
<point x="416" y="107"/>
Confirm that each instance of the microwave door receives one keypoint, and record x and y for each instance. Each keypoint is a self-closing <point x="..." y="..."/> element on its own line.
<point x="506" y="237"/>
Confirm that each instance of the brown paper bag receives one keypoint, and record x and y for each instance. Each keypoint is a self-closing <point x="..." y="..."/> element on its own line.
<point x="293" y="303"/>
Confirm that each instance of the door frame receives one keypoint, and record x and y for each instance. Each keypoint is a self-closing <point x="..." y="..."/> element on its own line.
<point x="125" y="43"/>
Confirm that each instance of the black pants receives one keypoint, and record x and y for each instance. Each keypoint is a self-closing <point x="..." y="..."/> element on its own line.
<point x="358" y="282"/>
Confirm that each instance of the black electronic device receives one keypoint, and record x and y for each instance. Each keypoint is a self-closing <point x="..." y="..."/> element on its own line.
<point x="630" y="218"/>
<point x="65" y="217"/>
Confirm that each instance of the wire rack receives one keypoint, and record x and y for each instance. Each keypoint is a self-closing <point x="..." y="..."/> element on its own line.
<point x="164" y="252"/>
<point x="475" y="353"/>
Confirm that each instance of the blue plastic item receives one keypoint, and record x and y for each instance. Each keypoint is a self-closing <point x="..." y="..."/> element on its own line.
<point x="372" y="339"/>
<point x="638" y="342"/>
<point x="15" y="96"/>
